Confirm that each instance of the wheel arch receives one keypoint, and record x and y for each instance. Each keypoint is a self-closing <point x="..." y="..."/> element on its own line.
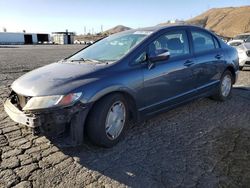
<point x="129" y="97"/>
<point x="232" y="70"/>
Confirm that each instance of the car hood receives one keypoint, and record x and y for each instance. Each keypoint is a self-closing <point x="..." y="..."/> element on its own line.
<point x="56" y="78"/>
<point x="236" y="40"/>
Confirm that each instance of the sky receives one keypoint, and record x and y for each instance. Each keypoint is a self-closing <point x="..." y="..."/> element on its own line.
<point x="80" y="16"/>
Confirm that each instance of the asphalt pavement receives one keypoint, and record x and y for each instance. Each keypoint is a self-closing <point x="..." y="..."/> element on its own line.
<point x="202" y="144"/>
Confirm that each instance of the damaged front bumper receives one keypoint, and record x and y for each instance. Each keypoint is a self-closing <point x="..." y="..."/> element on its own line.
<point x="18" y="116"/>
<point x="64" y="125"/>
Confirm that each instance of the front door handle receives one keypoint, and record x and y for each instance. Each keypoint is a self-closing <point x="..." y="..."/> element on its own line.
<point x="218" y="56"/>
<point x="188" y="63"/>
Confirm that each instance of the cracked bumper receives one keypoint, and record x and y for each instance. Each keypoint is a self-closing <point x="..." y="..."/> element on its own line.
<point x="20" y="117"/>
<point x="64" y="124"/>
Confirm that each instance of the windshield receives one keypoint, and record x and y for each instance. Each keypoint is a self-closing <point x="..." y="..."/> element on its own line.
<point x="235" y="43"/>
<point x="112" y="48"/>
<point x="241" y="37"/>
<point x="248" y="39"/>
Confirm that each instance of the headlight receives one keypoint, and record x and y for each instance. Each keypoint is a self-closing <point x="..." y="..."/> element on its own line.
<point x="51" y="101"/>
<point x="248" y="53"/>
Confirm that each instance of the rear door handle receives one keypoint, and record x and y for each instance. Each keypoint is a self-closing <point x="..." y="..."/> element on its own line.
<point x="188" y="63"/>
<point x="218" y="56"/>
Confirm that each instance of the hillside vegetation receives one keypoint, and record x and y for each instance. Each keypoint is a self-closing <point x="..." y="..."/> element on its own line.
<point x="225" y="21"/>
<point x="117" y="29"/>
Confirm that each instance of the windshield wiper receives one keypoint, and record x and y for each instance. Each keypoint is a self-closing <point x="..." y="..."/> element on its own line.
<point x="87" y="59"/>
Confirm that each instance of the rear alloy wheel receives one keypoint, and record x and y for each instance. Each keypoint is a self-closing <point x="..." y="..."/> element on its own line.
<point x="107" y="120"/>
<point x="225" y="87"/>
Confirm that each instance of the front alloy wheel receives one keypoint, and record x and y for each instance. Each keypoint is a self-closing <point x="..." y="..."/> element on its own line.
<point x="115" y="120"/>
<point x="107" y="120"/>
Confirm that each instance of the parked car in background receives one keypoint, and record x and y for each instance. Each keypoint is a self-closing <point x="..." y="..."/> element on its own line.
<point x="77" y="42"/>
<point x="239" y="39"/>
<point x="235" y="43"/>
<point x="244" y="54"/>
<point x="130" y="75"/>
<point x="242" y="37"/>
<point x="90" y="42"/>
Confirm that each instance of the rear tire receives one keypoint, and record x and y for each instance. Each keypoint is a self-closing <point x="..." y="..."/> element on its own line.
<point x="224" y="90"/>
<point x="107" y="120"/>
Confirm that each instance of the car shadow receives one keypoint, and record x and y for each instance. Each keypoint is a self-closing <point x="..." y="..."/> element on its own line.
<point x="246" y="69"/>
<point x="228" y="158"/>
<point x="188" y="146"/>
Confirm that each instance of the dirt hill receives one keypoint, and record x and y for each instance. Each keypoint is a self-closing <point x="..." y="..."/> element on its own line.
<point x="98" y="36"/>
<point x="225" y="21"/>
<point x="117" y="29"/>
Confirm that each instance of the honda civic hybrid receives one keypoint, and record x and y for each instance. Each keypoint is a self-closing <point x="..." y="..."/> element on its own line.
<point x="130" y="75"/>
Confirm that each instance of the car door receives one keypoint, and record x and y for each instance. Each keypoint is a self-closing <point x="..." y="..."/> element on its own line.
<point x="170" y="81"/>
<point x="209" y="60"/>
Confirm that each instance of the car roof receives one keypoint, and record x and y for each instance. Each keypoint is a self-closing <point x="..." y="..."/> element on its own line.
<point x="161" y="27"/>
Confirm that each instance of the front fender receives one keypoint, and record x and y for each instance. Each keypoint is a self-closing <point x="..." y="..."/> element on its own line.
<point x="92" y="97"/>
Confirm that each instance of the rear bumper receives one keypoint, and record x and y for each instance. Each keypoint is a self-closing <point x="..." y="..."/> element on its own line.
<point x="63" y="124"/>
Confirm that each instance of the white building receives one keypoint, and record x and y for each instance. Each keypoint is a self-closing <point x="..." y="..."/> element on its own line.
<point x="22" y="38"/>
<point x="63" y="37"/>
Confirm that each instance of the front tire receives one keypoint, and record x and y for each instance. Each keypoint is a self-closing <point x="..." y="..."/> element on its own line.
<point x="107" y="120"/>
<point x="241" y="68"/>
<point x="224" y="89"/>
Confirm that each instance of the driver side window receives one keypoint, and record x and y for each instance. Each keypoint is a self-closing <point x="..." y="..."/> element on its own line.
<point x="176" y="42"/>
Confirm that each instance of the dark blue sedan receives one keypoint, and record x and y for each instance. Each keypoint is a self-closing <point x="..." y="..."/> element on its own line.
<point x="130" y="75"/>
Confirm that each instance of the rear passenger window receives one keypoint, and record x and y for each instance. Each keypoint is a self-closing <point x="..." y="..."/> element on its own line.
<point x="202" y="41"/>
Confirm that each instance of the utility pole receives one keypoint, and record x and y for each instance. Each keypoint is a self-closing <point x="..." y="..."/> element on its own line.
<point x="101" y="28"/>
<point x="208" y="7"/>
<point x="85" y="30"/>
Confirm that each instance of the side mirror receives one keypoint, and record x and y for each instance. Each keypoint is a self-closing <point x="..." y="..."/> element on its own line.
<point x="160" y="55"/>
